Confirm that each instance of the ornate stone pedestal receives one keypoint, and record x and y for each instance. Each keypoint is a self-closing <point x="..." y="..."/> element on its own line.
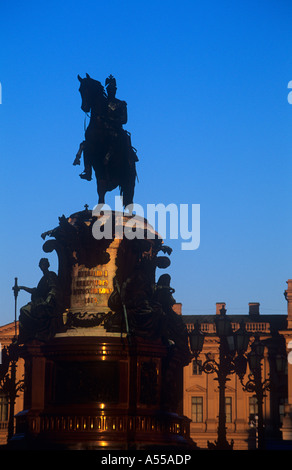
<point x="98" y="392"/>
<point x="110" y="374"/>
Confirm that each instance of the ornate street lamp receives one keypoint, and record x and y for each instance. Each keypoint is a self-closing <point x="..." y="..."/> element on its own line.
<point x="224" y="329"/>
<point x="281" y="363"/>
<point x="232" y="347"/>
<point x="256" y="385"/>
<point x="196" y="337"/>
<point x="8" y="383"/>
<point x="256" y="355"/>
<point x="222" y="322"/>
<point x="242" y="339"/>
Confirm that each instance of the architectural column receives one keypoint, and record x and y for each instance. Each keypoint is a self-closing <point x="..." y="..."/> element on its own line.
<point x="287" y="421"/>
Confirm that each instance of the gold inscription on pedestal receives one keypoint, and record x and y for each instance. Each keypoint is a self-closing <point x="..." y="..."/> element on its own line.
<point x="91" y="286"/>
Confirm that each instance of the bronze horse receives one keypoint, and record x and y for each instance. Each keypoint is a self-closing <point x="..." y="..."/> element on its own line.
<point x="107" y="146"/>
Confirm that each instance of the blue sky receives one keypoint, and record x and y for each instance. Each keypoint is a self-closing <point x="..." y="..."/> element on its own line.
<point x="206" y="87"/>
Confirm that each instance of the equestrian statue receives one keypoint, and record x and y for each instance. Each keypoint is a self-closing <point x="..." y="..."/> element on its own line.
<point x="107" y="148"/>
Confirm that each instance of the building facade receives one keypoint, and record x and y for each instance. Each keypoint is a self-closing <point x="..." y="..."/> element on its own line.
<point x="201" y="394"/>
<point x="201" y="391"/>
<point x="7" y="334"/>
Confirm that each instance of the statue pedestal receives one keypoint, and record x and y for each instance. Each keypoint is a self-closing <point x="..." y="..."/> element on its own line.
<point x="111" y="374"/>
<point x="287" y="424"/>
<point x="91" y="392"/>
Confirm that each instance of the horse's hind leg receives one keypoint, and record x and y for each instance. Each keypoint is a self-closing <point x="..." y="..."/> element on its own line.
<point x="101" y="190"/>
<point x="128" y="187"/>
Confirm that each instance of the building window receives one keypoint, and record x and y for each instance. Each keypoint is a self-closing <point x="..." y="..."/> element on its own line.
<point x="228" y="409"/>
<point x="197" y="367"/>
<point x="253" y="409"/>
<point x="197" y="409"/>
<point x="3" y="408"/>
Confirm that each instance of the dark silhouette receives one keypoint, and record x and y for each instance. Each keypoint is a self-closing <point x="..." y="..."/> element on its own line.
<point x="38" y="319"/>
<point x="107" y="147"/>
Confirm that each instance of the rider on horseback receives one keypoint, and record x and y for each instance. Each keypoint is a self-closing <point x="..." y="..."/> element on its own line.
<point x="117" y="138"/>
<point x="116" y="117"/>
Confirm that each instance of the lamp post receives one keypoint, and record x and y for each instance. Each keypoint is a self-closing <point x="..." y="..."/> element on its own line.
<point x="9" y="384"/>
<point x="15" y="289"/>
<point x="232" y="347"/>
<point x="197" y="338"/>
<point x="256" y="385"/>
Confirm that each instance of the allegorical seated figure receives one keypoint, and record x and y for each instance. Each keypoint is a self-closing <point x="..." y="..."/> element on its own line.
<point x="38" y="319"/>
<point x="176" y="330"/>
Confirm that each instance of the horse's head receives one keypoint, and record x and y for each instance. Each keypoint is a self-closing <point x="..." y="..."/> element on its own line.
<point x="90" y="90"/>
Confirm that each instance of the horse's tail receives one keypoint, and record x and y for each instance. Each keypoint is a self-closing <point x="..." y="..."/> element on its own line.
<point x="127" y="186"/>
